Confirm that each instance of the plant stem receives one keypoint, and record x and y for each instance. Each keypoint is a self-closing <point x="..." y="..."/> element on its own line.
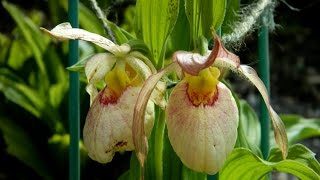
<point x="158" y="145"/>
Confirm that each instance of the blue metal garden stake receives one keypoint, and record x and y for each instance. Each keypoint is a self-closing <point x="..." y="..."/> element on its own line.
<point x="263" y="53"/>
<point x="74" y="114"/>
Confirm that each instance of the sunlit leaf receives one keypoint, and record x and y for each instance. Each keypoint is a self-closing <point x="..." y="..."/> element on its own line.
<point x="20" y="145"/>
<point x="154" y="22"/>
<point x="203" y="16"/>
<point x="243" y="164"/>
<point x="299" y="153"/>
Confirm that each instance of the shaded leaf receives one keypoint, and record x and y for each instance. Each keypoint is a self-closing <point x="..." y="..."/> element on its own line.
<point x="5" y="42"/>
<point x="20" y="145"/>
<point x="250" y="123"/>
<point x="16" y="91"/>
<point x="299" y="128"/>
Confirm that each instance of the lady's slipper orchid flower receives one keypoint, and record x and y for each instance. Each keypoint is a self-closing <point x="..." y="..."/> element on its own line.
<point x="201" y="115"/>
<point x="108" y="126"/>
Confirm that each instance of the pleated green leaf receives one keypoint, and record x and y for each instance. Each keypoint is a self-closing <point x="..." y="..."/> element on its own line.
<point x="204" y="15"/>
<point x="243" y="164"/>
<point x="154" y="22"/>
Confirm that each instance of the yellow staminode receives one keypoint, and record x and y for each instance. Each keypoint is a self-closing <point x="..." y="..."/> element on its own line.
<point x="202" y="88"/>
<point x="120" y="77"/>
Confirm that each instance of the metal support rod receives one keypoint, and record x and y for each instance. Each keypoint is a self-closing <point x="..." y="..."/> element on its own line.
<point x="74" y="107"/>
<point x="263" y="53"/>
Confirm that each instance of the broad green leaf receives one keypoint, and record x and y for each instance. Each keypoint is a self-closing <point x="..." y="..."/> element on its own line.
<point x="243" y="164"/>
<point x="179" y="39"/>
<point x="154" y="22"/>
<point x="203" y="16"/>
<point x="20" y="145"/>
<point x="250" y="123"/>
<point x="300" y="153"/>
<point x="19" y="53"/>
<point x="36" y="40"/>
<point x="243" y="139"/>
<point x="231" y="16"/>
<point x="299" y="128"/>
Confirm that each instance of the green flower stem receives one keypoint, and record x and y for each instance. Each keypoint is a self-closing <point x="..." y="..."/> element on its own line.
<point x="74" y="114"/>
<point x="158" y="144"/>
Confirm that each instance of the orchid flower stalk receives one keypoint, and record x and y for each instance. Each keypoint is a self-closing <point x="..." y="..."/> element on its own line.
<point x="109" y="121"/>
<point x="201" y="115"/>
